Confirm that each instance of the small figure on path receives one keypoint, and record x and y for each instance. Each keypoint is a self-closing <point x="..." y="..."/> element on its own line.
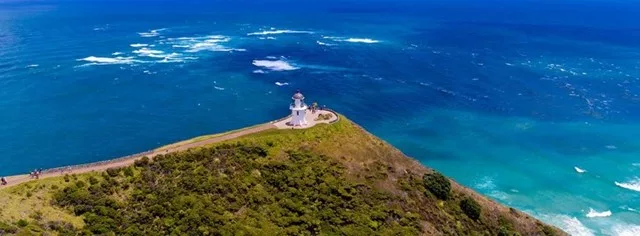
<point x="3" y="181"/>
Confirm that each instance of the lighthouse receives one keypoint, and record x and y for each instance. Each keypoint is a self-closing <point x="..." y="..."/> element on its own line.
<point x="298" y="110"/>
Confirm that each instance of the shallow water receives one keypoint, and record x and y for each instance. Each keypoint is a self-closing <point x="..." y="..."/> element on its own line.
<point x="499" y="98"/>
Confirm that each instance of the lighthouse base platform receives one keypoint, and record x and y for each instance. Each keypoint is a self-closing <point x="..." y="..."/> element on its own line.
<point x="312" y="119"/>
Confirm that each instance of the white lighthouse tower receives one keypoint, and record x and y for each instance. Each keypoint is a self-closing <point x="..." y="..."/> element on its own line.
<point x="298" y="110"/>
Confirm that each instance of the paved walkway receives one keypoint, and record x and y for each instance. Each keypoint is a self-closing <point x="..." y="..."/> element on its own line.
<point x="311" y="120"/>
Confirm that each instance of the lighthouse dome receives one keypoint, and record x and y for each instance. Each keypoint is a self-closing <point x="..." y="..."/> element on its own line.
<point x="298" y="95"/>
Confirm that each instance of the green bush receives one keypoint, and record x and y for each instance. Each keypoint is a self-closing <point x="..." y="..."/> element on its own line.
<point x="66" y="178"/>
<point x="471" y="208"/>
<point x="93" y="180"/>
<point x="113" y="172"/>
<point x="128" y="171"/>
<point x="22" y="223"/>
<point x="142" y="162"/>
<point x="437" y="184"/>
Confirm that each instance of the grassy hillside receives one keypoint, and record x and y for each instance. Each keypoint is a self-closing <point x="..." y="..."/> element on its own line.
<point x="330" y="179"/>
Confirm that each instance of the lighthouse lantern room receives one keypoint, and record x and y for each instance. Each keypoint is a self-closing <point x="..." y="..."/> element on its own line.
<point x="298" y="110"/>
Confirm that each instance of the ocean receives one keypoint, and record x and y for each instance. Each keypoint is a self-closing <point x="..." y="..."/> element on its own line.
<point x="533" y="103"/>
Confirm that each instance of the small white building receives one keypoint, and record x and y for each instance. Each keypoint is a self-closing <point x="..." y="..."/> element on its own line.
<point x="298" y="110"/>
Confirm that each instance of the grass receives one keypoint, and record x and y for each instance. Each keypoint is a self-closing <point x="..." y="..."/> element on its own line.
<point x="30" y="202"/>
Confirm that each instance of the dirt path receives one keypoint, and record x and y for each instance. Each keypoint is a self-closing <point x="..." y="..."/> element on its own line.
<point x="101" y="166"/>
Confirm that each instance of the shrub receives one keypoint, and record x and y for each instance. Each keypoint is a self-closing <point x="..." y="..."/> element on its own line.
<point x="93" y="180"/>
<point x="438" y="185"/>
<point x="471" y="208"/>
<point x="128" y="172"/>
<point x="142" y="162"/>
<point x="22" y="223"/>
<point x="113" y="172"/>
<point x="66" y="178"/>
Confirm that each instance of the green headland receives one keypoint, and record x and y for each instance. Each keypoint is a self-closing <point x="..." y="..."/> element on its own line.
<point x="330" y="179"/>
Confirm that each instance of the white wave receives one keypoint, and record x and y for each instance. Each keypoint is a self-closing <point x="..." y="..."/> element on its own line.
<point x="579" y="170"/>
<point x="218" y="88"/>
<point x="207" y="43"/>
<point x="271" y="57"/>
<point x="151" y="33"/>
<point x="107" y="60"/>
<point x="32" y="66"/>
<point x="352" y="40"/>
<point x="631" y="185"/>
<point x="569" y="224"/>
<point x="361" y="40"/>
<point x="593" y="213"/>
<point x="150" y="53"/>
<point x="138" y="45"/>
<point x="282" y="84"/>
<point x="324" y="44"/>
<point x="509" y="64"/>
<point x="278" y="65"/>
<point x="626" y="230"/>
<point x="259" y="72"/>
<point x="117" y="53"/>
<point x="269" y="32"/>
<point x="270" y="38"/>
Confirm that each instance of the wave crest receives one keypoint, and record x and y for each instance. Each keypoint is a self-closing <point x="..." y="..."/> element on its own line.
<point x="269" y="32"/>
<point x="278" y="65"/>
<point x="593" y="213"/>
<point x="579" y="170"/>
<point x="631" y="185"/>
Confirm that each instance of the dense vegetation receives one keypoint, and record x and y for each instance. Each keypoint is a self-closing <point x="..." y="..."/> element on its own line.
<point x="234" y="189"/>
<point x="329" y="180"/>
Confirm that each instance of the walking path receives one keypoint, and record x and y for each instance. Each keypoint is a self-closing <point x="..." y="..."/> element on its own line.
<point x="128" y="160"/>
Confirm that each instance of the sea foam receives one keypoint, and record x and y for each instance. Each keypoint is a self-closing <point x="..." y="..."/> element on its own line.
<point x="631" y="185"/>
<point x="569" y="224"/>
<point x="352" y="40"/>
<point x="108" y="60"/>
<point x="282" y="84"/>
<point x="626" y="230"/>
<point x="278" y="65"/>
<point x="138" y="45"/>
<point x="151" y="33"/>
<point x="269" y="32"/>
<point x="579" y="170"/>
<point x="593" y="213"/>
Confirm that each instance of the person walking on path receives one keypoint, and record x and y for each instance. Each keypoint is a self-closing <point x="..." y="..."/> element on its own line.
<point x="3" y="181"/>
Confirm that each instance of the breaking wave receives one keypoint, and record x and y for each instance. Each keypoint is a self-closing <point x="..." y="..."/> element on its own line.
<point x="138" y="45"/>
<point x="569" y="224"/>
<point x="273" y="31"/>
<point x="282" y="84"/>
<point x="593" y="213"/>
<point x="352" y="40"/>
<point x="206" y="43"/>
<point x="579" y="170"/>
<point x="631" y="185"/>
<point x="151" y="33"/>
<point x="32" y="66"/>
<point x="107" y="60"/>
<point x="278" y="65"/>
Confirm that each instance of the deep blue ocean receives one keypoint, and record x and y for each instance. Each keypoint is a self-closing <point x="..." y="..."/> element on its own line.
<point x="535" y="104"/>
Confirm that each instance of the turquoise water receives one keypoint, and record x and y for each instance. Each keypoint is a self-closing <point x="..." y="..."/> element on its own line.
<point x="513" y="99"/>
